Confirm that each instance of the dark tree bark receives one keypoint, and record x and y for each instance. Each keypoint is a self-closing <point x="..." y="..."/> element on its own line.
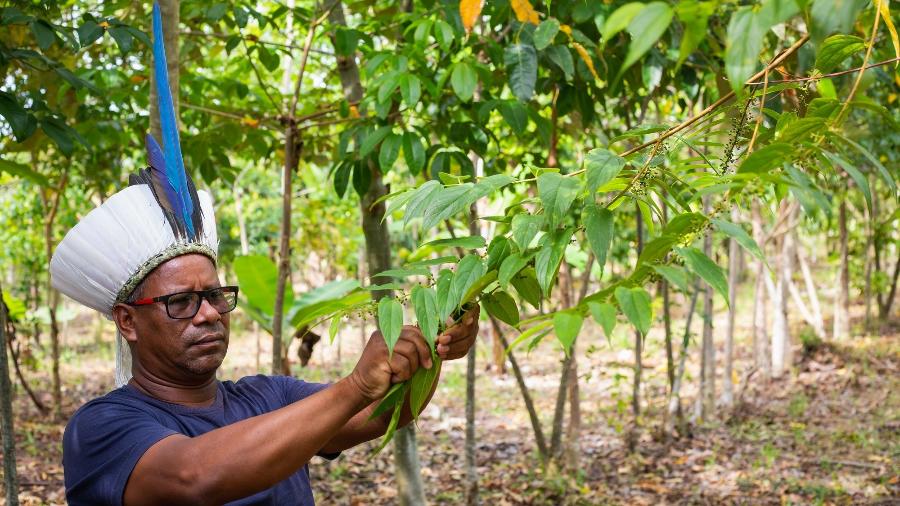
<point x="378" y="259"/>
<point x="6" y="416"/>
<point x="169" y="11"/>
<point x="51" y="205"/>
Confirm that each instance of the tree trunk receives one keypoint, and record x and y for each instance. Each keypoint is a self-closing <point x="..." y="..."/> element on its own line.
<point x="291" y="162"/>
<point x="6" y="416"/>
<point x="638" y="338"/>
<point x="471" y="489"/>
<point x="673" y="409"/>
<point x="761" y="355"/>
<point x="707" y="393"/>
<point x="667" y="315"/>
<point x="52" y="294"/>
<point x="378" y="255"/>
<point x="812" y="293"/>
<point x="539" y="439"/>
<point x="733" y="279"/>
<point x="781" y="346"/>
<point x="842" y="290"/>
<point x="573" y="448"/>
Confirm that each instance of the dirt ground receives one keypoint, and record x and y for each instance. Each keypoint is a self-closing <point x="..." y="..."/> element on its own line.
<point x="829" y="433"/>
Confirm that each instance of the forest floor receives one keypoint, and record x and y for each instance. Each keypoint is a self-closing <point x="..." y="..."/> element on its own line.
<point x="828" y="433"/>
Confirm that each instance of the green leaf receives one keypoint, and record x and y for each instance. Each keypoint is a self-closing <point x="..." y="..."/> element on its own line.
<point x="434" y="261"/>
<point x="394" y="395"/>
<point x="468" y="271"/>
<point x="836" y="49"/>
<point x="268" y="58"/>
<point x="390" y="320"/>
<point x="540" y="329"/>
<point x="874" y="161"/>
<point x="746" y="32"/>
<point x="510" y="267"/>
<point x="800" y="129"/>
<point x="737" y="233"/>
<point x="515" y="114"/>
<point x="498" y="250"/>
<point x="620" y="19"/>
<point x="258" y="277"/>
<point x="645" y="29"/>
<point x="420" y="386"/>
<point x="425" y="305"/>
<point x="420" y="201"/>
<point x="766" y="158"/>
<point x="501" y="306"/>
<point x="447" y="300"/>
<point x="521" y="64"/>
<point x="62" y="134"/>
<point x="674" y="276"/>
<point x="545" y="32"/>
<point x="526" y="285"/>
<point x="562" y="58"/>
<point x="861" y="182"/>
<point x="342" y="177"/>
<point x="701" y="265"/>
<point x="390" y="150"/>
<point x="830" y="16"/>
<point x="22" y="123"/>
<point x="443" y="33"/>
<point x="446" y="203"/>
<point x="89" y="32"/>
<point x="524" y="227"/>
<point x="567" y="325"/>
<point x="557" y="193"/>
<point x="476" y="288"/>
<point x="410" y="89"/>
<point x="602" y="166"/>
<point x="24" y="172"/>
<point x="464" y="80"/>
<point x="334" y="327"/>
<point x="395" y="420"/>
<point x="413" y="152"/>
<point x="372" y="140"/>
<point x="605" y="315"/>
<point x="598" y="225"/>
<point x="345" y="41"/>
<point x="549" y="257"/>
<point x="43" y="33"/>
<point x="468" y="242"/>
<point x="694" y="16"/>
<point x="635" y="303"/>
<point x="403" y="273"/>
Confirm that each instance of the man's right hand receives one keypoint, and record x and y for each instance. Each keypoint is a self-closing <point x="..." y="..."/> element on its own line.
<point x="377" y="370"/>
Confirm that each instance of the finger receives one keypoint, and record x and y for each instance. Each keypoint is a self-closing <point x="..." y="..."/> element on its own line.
<point x="422" y="349"/>
<point x="406" y="349"/>
<point x="401" y="368"/>
<point x="456" y="333"/>
<point x="455" y="349"/>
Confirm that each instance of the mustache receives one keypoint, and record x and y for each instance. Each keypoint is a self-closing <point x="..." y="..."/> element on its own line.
<point x="207" y="332"/>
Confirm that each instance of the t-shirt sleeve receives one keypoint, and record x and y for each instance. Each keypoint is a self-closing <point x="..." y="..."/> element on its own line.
<point x="295" y="390"/>
<point x="102" y="443"/>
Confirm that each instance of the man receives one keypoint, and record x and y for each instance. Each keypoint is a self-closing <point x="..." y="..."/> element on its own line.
<point x="171" y="433"/>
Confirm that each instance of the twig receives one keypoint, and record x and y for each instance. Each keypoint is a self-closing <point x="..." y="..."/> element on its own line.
<point x="728" y="96"/>
<point x="759" y="118"/>
<point x="833" y="74"/>
<point x="863" y="71"/>
<point x="251" y="38"/>
<point x="845" y="463"/>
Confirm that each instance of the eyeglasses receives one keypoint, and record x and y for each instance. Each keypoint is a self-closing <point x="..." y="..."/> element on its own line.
<point x="185" y="305"/>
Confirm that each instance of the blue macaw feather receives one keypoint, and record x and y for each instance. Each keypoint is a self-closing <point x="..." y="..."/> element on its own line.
<point x="165" y="193"/>
<point x="183" y="201"/>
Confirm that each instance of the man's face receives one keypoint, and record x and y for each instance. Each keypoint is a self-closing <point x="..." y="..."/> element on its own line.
<point x="170" y="348"/>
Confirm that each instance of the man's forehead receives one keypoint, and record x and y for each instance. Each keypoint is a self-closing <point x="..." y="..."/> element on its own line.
<point x="185" y="271"/>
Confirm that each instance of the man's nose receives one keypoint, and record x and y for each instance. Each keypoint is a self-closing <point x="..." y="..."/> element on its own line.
<point x="207" y="313"/>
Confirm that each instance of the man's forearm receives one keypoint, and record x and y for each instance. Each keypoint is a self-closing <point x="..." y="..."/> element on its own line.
<point x="246" y="457"/>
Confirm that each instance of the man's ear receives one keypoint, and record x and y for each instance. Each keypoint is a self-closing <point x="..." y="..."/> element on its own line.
<point x="124" y="317"/>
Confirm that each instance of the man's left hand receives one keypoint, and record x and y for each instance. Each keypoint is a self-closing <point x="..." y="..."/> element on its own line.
<point x="455" y="341"/>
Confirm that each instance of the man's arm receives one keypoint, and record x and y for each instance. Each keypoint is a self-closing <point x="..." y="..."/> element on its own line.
<point x="452" y="344"/>
<point x="252" y="455"/>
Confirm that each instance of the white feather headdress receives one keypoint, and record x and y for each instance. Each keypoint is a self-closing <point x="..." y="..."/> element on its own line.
<point x="160" y="216"/>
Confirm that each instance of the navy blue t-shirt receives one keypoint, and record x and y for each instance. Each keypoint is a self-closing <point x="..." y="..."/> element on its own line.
<point x="107" y="436"/>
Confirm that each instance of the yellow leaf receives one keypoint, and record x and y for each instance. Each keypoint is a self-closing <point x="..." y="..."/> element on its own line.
<point x="886" y="14"/>
<point x="525" y="13"/>
<point x="582" y="52"/>
<point x="137" y="78"/>
<point x="469" y="10"/>
<point x="103" y="24"/>
<point x="250" y="122"/>
<point x="566" y="29"/>
<point x="354" y="111"/>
